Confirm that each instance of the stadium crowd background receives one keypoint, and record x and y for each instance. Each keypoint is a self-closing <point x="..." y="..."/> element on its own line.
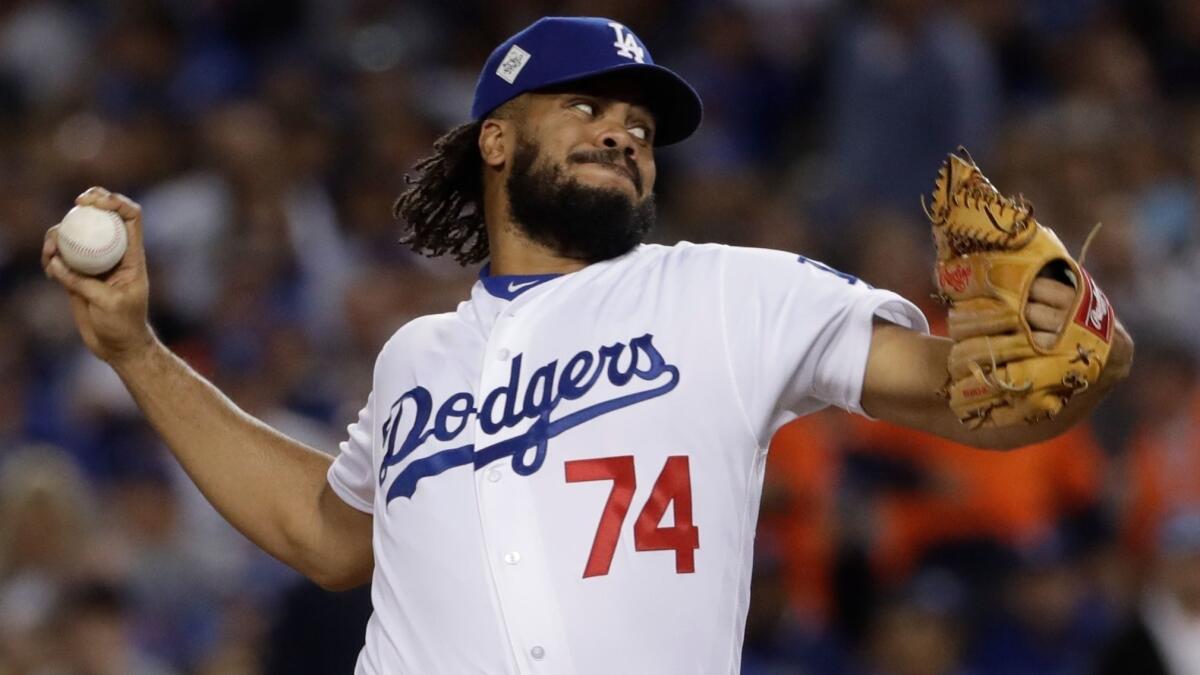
<point x="267" y="141"/>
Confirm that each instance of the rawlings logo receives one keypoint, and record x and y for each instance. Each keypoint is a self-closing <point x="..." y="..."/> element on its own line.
<point x="1098" y="312"/>
<point x="955" y="277"/>
<point x="510" y="405"/>
<point x="1095" y="312"/>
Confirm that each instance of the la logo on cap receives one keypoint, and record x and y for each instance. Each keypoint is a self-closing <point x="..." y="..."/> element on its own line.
<point x="569" y="49"/>
<point x="626" y="43"/>
<point x="512" y="63"/>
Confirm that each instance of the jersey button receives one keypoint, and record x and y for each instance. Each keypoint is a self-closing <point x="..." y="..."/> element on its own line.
<point x="502" y="354"/>
<point x="537" y="653"/>
<point x="512" y="557"/>
<point x="493" y="475"/>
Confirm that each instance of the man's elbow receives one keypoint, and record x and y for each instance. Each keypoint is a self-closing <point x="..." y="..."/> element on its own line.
<point x="337" y="583"/>
<point x="336" y="561"/>
<point x="339" y="577"/>
<point x="334" y="544"/>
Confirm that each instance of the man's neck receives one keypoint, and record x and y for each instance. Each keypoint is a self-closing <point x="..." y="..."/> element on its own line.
<point x="512" y="253"/>
<point x="522" y="257"/>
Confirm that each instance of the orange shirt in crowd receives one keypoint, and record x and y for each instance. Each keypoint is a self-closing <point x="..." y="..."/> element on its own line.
<point x="796" y="522"/>
<point x="1008" y="495"/>
<point x="1164" y="477"/>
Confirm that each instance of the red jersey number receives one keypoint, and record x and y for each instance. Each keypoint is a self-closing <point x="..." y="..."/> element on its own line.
<point x="672" y="489"/>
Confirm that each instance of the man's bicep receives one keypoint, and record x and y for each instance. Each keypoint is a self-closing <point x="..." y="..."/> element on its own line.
<point x="906" y="371"/>
<point x="347" y="538"/>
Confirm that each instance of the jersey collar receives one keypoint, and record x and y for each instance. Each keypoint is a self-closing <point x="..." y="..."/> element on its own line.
<point x="509" y="286"/>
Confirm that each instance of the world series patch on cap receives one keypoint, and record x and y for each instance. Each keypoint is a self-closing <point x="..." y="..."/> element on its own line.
<point x="557" y="50"/>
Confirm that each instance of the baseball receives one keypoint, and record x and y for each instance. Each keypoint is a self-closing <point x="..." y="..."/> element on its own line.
<point x="91" y="240"/>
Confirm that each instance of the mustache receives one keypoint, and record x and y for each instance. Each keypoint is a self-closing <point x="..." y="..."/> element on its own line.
<point x="614" y="158"/>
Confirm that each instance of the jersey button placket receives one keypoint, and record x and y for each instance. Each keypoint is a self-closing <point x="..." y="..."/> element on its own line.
<point x="499" y="514"/>
<point x="507" y="512"/>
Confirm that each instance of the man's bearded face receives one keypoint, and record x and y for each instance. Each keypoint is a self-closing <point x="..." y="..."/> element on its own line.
<point x="576" y="220"/>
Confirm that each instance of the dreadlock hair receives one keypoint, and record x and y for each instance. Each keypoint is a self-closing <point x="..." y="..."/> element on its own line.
<point x="442" y="207"/>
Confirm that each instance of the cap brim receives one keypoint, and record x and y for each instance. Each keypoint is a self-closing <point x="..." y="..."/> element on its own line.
<point x="675" y="105"/>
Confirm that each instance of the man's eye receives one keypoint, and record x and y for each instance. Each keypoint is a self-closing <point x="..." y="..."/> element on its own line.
<point x="585" y="108"/>
<point x="639" y="132"/>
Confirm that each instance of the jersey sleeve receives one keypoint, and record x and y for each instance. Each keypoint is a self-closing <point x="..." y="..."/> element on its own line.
<point x="798" y="334"/>
<point x="352" y="474"/>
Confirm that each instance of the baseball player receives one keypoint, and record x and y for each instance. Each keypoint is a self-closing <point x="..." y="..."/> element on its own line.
<point x="563" y="475"/>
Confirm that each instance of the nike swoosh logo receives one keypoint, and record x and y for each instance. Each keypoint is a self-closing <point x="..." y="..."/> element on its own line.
<point x="517" y="287"/>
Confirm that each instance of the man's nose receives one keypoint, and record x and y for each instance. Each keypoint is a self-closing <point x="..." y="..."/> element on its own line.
<point x="619" y="138"/>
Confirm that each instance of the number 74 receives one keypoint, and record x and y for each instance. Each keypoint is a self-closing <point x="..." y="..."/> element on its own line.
<point x="674" y="485"/>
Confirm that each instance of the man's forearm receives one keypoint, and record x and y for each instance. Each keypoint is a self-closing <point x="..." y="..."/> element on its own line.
<point x="906" y="370"/>
<point x="268" y="486"/>
<point x="264" y="483"/>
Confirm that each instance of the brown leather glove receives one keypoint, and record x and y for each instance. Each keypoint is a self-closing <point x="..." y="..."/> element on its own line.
<point x="989" y="251"/>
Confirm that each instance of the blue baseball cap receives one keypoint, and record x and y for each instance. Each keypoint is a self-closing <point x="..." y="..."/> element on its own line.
<point x="557" y="50"/>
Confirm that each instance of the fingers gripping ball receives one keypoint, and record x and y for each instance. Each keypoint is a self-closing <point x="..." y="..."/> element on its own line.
<point x="91" y="240"/>
<point x="990" y="249"/>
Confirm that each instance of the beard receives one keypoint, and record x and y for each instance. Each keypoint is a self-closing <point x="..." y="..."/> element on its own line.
<point x="572" y="219"/>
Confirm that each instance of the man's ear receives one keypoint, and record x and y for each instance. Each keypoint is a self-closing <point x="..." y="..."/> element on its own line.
<point x="495" y="137"/>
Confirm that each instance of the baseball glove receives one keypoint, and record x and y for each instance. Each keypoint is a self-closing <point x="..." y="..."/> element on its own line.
<point x="989" y="251"/>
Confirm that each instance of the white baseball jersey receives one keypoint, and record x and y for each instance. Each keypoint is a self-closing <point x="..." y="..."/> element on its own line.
<point x="565" y="472"/>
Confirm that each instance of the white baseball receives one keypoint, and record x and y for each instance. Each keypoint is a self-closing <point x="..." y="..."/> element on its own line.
<point x="91" y="240"/>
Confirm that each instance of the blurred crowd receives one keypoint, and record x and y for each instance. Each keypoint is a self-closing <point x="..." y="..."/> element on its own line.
<point x="267" y="140"/>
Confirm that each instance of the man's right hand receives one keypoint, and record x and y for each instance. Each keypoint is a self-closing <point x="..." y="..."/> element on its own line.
<point x="110" y="311"/>
<point x="272" y="488"/>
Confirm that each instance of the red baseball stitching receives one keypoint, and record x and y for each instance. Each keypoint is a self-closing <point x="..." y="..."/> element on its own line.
<point x="79" y="248"/>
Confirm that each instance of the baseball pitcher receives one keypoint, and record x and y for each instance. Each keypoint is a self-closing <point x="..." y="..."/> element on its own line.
<point x="563" y="474"/>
